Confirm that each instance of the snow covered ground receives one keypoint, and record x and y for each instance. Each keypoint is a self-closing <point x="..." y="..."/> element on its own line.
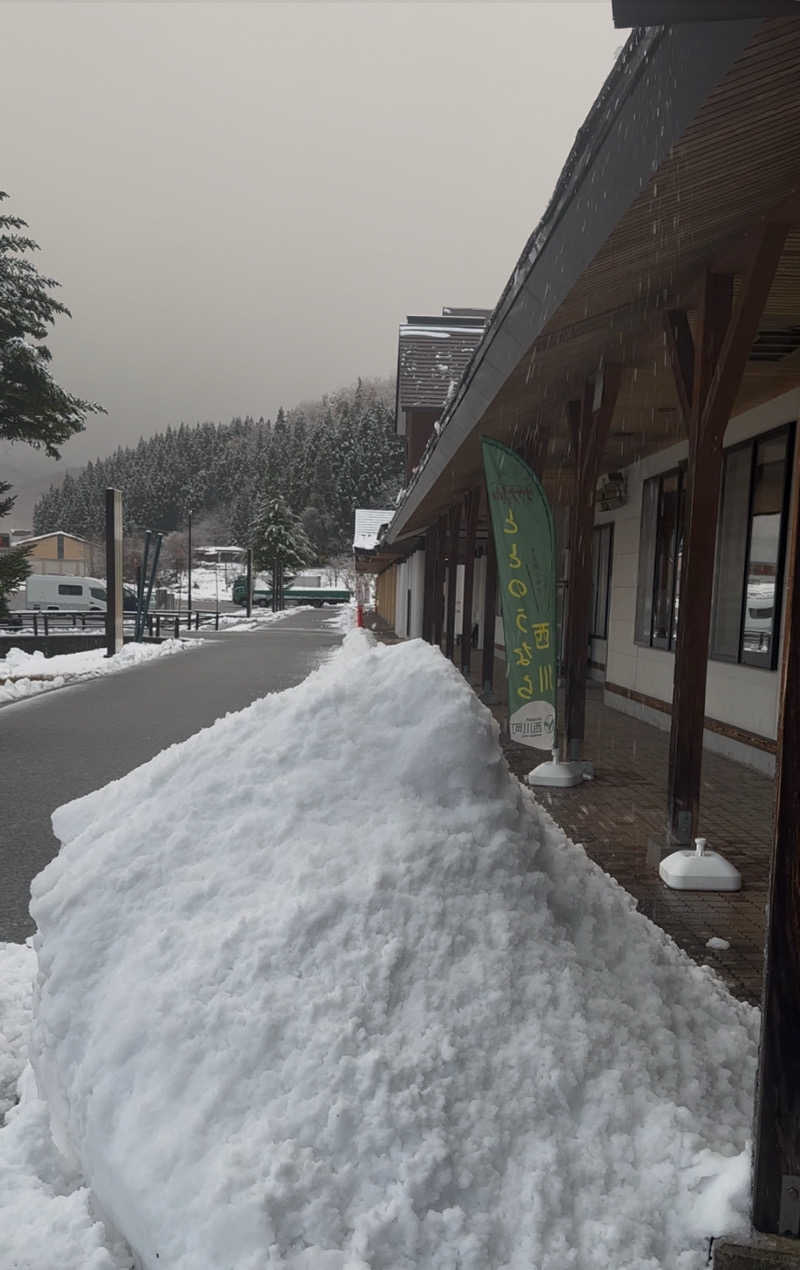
<point x="324" y="988"/>
<point x="26" y="674"/>
<point x="261" y="617"/>
<point x="210" y="582"/>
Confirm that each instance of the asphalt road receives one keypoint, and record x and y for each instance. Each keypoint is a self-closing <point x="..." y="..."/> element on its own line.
<point x="63" y="744"/>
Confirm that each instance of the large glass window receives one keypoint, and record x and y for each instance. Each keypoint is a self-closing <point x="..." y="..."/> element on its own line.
<point x="602" y="538"/>
<point x="760" y="627"/>
<point x="660" y="559"/>
<point x="750" y="547"/>
<point x="751" y="528"/>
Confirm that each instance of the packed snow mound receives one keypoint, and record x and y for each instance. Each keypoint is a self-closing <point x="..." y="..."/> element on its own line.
<point x="322" y="988"/>
<point x="45" y="1209"/>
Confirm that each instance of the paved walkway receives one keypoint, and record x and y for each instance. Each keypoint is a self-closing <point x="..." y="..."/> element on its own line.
<point x="620" y="816"/>
<point x="63" y="744"/>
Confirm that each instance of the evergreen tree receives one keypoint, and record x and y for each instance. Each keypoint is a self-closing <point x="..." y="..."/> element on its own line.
<point x="276" y="535"/>
<point x="323" y="459"/>
<point x="14" y="566"/>
<point x="33" y="407"/>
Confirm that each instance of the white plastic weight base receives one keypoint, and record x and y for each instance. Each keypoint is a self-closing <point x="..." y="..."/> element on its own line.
<point x="699" y="870"/>
<point x="556" y="775"/>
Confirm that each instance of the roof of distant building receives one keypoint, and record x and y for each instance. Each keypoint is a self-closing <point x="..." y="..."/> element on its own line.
<point x="433" y="353"/>
<point x="368" y="525"/>
<point x="54" y="533"/>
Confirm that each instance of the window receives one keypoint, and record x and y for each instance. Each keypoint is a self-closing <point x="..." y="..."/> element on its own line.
<point x="602" y="538"/>
<point x="69" y="588"/>
<point x="750" y="545"/>
<point x="97" y="592"/>
<point x="661" y="559"/>
<point x="751" y="528"/>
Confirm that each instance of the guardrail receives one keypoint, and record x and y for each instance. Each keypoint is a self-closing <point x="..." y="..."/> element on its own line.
<point x="50" y="622"/>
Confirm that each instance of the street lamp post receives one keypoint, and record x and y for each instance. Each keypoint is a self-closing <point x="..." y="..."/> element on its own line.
<point x="189" y="598"/>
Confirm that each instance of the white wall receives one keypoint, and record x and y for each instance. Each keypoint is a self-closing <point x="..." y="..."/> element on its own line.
<point x="745" y="696"/>
<point x="410" y="574"/>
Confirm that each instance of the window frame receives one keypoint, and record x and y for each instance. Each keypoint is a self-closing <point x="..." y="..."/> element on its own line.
<point x="752" y="443"/>
<point x="602" y="631"/>
<point x="663" y="643"/>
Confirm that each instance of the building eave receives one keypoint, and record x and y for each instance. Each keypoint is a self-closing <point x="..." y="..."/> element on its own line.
<point x="627" y="135"/>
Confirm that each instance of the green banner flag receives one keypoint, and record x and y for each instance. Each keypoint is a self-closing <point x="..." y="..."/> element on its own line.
<point x="526" y="568"/>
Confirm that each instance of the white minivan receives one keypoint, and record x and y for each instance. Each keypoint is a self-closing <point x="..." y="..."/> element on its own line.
<point x="54" y="591"/>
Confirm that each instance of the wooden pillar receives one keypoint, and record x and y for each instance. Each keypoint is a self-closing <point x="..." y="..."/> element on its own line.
<point x="777" y="1120"/>
<point x="722" y="345"/>
<point x="114" y="613"/>
<point x="427" y="585"/>
<point x="489" y="599"/>
<point x="454" y="525"/>
<point x="590" y="421"/>
<point x="438" y="582"/>
<point x="471" y="504"/>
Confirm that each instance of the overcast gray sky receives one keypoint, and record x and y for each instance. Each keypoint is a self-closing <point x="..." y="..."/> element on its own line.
<point x="242" y="201"/>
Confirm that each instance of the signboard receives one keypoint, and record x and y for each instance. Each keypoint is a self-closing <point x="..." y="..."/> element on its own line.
<point x="526" y="569"/>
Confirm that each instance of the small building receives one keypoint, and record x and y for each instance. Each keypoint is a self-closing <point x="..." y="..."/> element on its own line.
<point x="432" y="355"/>
<point x="59" y="553"/>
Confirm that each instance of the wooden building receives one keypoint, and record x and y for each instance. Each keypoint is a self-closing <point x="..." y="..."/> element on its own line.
<point x="644" y="357"/>
<point x="60" y="553"/>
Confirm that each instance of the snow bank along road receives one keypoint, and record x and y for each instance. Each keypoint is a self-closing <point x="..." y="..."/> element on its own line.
<point x="63" y="744"/>
<point x="360" y="1005"/>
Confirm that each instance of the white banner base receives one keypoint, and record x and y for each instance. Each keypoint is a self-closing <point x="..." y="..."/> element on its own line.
<point x="556" y="775"/>
<point x="699" y="870"/>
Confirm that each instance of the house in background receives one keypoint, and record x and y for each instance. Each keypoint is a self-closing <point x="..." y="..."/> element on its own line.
<point x="62" y="553"/>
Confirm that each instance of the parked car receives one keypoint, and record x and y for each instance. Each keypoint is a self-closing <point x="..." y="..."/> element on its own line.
<point x="52" y="591"/>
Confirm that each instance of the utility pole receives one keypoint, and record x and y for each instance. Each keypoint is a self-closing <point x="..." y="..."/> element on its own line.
<point x="114" y="629"/>
<point x="189" y="598"/>
<point x="249" y="581"/>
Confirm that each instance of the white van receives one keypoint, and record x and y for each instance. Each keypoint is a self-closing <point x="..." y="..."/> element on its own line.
<point x="76" y="595"/>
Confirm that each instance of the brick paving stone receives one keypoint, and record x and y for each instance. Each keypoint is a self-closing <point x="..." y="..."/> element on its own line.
<point x="619" y="818"/>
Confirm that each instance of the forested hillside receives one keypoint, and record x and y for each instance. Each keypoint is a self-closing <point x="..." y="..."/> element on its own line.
<point x="324" y="458"/>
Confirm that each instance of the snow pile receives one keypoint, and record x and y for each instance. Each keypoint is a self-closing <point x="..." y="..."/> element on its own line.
<point x="24" y="674"/>
<point x="261" y="617"/>
<point x="45" y="1210"/>
<point x="16" y="974"/>
<point x="322" y="988"/>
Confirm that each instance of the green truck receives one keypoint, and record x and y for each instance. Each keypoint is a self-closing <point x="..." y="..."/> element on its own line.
<point x="302" y="591"/>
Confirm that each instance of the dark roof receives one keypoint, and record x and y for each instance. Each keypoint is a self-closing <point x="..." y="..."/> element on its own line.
<point x="432" y="355"/>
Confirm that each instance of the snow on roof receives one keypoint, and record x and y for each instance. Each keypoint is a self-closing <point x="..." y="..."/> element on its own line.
<point x="367" y="527"/>
<point x="432" y="352"/>
<point x="54" y="533"/>
<point x="403" y="1022"/>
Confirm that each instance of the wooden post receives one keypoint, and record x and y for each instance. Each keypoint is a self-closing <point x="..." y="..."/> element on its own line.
<point x="438" y="588"/>
<point x="114" y="627"/>
<point x="249" y="581"/>
<point x="454" y="525"/>
<point x="427" y="584"/>
<point x="489" y="600"/>
<point x="471" y="505"/>
<point x="721" y="348"/>
<point x="777" y="1118"/>
<point x="590" y="421"/>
